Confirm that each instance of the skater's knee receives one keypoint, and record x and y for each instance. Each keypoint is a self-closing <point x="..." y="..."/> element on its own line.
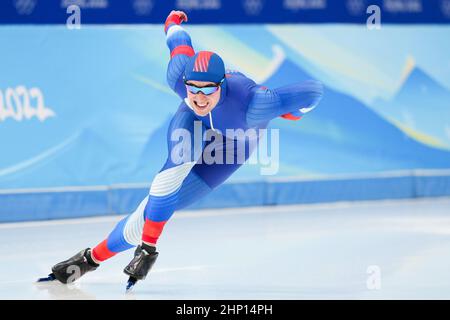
<point x="169" y="180"/>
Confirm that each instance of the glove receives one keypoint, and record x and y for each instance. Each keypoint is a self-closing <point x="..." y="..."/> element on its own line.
<point x="176" y="17"/>
<point x="297" y="115"/>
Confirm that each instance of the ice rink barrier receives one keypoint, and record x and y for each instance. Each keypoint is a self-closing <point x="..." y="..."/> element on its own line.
<point x="71" y="202"/>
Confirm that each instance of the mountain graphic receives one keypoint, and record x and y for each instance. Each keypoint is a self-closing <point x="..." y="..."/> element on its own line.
<point x="154" y="152"/>
<point x="343" y="135"/>
<point x="80" y="162"/>
<point x="416" y="105"/>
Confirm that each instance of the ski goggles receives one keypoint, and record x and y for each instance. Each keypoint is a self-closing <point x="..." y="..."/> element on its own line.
<point x="206" y="90"/>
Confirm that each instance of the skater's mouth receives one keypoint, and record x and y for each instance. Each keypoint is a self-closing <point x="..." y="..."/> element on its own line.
<point x="201" y="105"/>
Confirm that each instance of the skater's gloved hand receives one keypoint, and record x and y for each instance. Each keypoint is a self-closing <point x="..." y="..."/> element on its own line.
<point x="297" y="115"/>
<point x="177" y="17"/>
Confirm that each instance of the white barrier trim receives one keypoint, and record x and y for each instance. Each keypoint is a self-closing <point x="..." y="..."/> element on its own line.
<point x="202" y="213"/>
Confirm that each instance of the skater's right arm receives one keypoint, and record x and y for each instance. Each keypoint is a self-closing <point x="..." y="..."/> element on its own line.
<point x="179" y="43"/>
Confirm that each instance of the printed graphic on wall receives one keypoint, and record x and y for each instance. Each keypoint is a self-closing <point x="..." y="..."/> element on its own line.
<point x="91" y="106"/>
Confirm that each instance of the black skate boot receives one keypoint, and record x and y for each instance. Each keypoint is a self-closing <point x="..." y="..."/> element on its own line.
<point x="144" y="259"/>
<point x="72" y="269"/>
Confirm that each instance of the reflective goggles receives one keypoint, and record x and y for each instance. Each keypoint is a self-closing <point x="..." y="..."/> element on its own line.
<point x="206" y="90"/>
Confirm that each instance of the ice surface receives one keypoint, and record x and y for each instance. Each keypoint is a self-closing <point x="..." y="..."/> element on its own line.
<point x="318" y="251"/>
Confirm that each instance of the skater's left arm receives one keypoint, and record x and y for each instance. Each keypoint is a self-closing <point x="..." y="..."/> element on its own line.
<point x="290" y="102"/>
<point x="180" y="46"/>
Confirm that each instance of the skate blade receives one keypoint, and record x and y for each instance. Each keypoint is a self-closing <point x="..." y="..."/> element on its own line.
<point x="130" y="284"/>
<point x="49" y="278"/>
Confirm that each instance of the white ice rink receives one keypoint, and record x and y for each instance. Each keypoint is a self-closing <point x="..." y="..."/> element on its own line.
<point x="290" y="252"/>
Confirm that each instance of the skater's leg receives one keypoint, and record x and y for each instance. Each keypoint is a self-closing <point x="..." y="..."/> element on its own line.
<point x="163" y="199"/>
<point x="191" y="189"/>
<point x="126" y="234"/>
<point x="200" y="181"/>
<point x="183" y="153"/>
<point x="129" y="231"/>
<point x="174" y="188"/>
<point x="160" y="209"/>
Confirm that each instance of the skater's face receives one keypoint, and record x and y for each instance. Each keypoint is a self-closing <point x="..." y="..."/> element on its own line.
<point x="205" y="99"/>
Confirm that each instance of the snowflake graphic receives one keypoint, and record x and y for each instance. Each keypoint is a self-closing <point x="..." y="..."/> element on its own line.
<point x="445" y="7"/>
<point x="356" y="7"/>
<point x="25" y="7"/>
<point x="143" y="7"/>
<point x="253" y="7"/>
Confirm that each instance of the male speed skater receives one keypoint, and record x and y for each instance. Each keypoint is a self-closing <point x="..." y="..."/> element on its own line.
<point x="214" y="99"/>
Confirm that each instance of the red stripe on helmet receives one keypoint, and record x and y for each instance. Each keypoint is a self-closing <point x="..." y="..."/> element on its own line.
<point x="196" y="65"/>
<point x="202" y="61"/>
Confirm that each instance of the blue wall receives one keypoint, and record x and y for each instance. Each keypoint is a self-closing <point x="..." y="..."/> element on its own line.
<point x="90" y="107"/>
